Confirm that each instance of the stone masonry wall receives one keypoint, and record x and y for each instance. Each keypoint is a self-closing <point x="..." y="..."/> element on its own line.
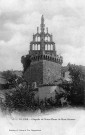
<point x="35" y="72"/>
<point x="51" y="72"/>
<point x="43" y="72"/>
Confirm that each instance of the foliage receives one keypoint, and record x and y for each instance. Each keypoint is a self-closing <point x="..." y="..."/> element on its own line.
<point x="22" y="100"/>
<point x="26" y="62"/>
<point x="10" y="77"/>
<point x="75" y="89"/>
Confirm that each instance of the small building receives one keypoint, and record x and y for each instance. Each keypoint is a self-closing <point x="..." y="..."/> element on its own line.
<point x="47" y="92"/>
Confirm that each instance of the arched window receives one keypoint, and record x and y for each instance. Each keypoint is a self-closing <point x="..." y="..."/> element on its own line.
<point x="33" y="47"/>
<point x="46" y="47"/>
<point x="46" y="38"/>
<point x="49" y="39"/>
<point x="38" y="38"/>
<point x="38" y="47"/>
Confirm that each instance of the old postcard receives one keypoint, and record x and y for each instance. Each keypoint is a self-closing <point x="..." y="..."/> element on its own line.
<point x="42" y="67"/>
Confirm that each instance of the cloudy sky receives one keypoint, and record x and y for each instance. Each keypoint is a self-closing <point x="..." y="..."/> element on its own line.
<point x="19" y="19"/>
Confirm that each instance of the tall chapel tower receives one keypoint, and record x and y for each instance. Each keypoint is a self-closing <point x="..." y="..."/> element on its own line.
<point x="45" y="66"/>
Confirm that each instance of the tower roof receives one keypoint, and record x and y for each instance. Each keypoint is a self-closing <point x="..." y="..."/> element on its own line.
<point x="42" y="19"/>
<point x="42" y="43"/>
<point x="42" y="24"/>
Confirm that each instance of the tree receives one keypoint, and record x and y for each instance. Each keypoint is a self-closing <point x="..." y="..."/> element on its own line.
<point x="10" y="77"/>
<point x="26" y="60"/>
<point x="77" y="85"/>
<point x="20" y="99"/>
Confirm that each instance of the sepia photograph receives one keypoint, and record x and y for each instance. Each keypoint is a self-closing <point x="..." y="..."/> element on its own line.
<point x="42" y="67"/>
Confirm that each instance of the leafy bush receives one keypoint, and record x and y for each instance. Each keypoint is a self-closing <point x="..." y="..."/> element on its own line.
<point x="75" y="89"/>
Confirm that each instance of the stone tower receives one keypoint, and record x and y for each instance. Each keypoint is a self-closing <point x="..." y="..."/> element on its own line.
<point x="45" y="66"/>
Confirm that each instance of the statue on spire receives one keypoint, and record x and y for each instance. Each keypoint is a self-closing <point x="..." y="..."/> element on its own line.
<point x="47" y="29"/>
<point x="42" y="24"/>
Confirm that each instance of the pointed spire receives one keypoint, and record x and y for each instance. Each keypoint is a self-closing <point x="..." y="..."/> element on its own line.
<point x="37" y="29"/>
<point x="42" y="24"/>
<point x="47" y="29"/>
<point x="42" y="19"/>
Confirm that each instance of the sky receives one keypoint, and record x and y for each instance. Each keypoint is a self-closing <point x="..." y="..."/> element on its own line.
<point x="19" y="19"/>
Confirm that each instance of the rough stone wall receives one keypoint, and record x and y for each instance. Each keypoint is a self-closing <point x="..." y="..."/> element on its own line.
<point x="43" y="72"/>
<point x="51" y="72"/>
<point x="35" y="72"/>
<point x="47" y="92"/>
